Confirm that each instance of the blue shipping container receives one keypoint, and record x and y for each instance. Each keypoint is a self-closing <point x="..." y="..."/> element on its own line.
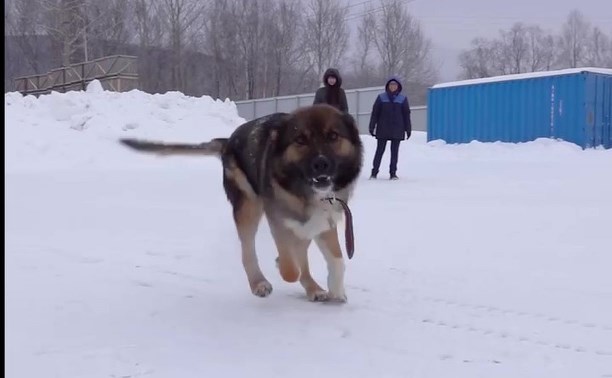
<point x="574" y="105"/>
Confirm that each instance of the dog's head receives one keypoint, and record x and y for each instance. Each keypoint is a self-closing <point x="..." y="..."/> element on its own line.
<point x="319" y="150"/>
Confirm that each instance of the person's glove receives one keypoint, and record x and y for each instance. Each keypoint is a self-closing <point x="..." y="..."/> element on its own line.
<point x="372" y="132"/>
<point x="408" y="134"/>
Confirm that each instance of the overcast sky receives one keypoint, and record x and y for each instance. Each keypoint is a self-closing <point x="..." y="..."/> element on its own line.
<point x="452" y="24"/>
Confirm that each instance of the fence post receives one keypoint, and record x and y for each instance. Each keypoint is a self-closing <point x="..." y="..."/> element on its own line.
<point x="83" y="76"/>
<point x="357" y="106"/>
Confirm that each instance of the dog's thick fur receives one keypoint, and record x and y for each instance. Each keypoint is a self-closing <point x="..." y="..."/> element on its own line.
<point x="284" y="165"/>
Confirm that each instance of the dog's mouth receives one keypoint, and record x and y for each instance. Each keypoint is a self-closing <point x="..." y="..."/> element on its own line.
<point x="322" y="183"/>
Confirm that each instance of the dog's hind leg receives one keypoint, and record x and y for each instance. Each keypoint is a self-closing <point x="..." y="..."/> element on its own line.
<point x="286" y="244"/>
<point x="248" y="211"/>
<point x="314" y="292"/>
<point x="247" y="217"/>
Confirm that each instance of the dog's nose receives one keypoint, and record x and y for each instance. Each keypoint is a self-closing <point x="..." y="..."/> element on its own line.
<point x="320" y="165"/>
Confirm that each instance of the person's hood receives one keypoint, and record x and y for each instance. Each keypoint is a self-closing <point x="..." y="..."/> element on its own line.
<point x="397" y="80"/>
<point x="332" y="72"/>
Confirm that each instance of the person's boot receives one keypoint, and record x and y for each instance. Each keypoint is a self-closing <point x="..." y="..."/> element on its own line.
<point x="393" y="176"/>
<point x="373" y="175"/>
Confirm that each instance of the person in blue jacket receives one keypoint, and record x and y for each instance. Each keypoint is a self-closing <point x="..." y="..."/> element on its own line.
<point x="390" y="121"/>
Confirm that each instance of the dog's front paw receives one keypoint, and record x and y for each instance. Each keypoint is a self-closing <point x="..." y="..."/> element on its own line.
<point x="337" y="297"/>
<point x="324" y="296"/>
<point x="262" y="289"/>
<point x="318" y="296"/>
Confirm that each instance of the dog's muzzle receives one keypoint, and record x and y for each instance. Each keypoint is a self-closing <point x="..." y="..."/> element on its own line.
<point x="322" y="182"/>
<point x="321" y="168"/>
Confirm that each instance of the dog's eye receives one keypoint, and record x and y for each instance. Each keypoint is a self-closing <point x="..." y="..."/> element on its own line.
<point x="301" y="139"/>
<point x="332" y="136"/>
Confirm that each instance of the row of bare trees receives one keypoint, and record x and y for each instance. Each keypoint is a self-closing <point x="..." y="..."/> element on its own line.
<point x="528" y="48"/>
<point x="239" y="49"/>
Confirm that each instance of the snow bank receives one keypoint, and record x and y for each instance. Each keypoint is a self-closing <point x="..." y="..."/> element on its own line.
<point x="80" y="129"/>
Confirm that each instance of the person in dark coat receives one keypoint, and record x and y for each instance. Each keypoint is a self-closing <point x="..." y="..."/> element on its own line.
<point x="332" y="93"/>
<point x="390" y="121"/>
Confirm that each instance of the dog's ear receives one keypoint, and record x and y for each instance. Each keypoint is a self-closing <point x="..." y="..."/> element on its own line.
<point x="348" y="119"/>
<point x="282" y="130"/>
<point x="350" y="124"/>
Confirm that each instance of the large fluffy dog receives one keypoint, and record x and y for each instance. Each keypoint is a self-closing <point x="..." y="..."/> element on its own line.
<point x="290" y="167"/>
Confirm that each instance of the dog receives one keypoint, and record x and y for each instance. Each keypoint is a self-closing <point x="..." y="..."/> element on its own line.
<point x="289" y="167"/>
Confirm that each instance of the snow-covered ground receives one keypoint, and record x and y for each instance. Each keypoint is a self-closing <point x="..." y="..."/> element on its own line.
<point x="483" y="260"/>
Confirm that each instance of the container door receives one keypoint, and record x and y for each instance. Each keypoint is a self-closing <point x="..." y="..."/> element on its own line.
<point x="607" y="112"/>
<point x="598" y="103"/>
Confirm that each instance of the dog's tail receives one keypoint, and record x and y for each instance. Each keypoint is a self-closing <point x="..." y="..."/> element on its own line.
<point x="215" y="147"/>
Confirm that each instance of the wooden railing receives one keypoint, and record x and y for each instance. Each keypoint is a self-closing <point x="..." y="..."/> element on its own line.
<point x="116" y="73"/>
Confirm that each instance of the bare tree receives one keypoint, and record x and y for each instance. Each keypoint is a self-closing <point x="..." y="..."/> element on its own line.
<point x="325" y="34"/>
<point x="541" y="49"/>
<point x="514" y="49"/>
<point x="148" y="25"/>
<point x="8" y="17"/>
<point x="107" y="27"/>
<point x="212" y="41"/>
<point x="179" y="17"/>
<point x="72" y="24"/>
<point x="574" y="40"/>
<point x="401" y="43"/>
<point x="9" y="55"/>
<point x="248" y="17"/>
<point x="598" y="49"/>
<point x="477" y="62"/>
<point x="365" y="69"/>
<point x="66" y="24"/>
<point x="390" y="35"/>
<point x="607" y="56"/>
<point x="24" y="25"/>
<point x="528" y="48"/>
<point x="283" y="47"/>
<point x="149" y="32"/>
<point x="522" y="48"/>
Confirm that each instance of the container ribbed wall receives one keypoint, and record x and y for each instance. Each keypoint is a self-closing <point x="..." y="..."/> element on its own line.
<point x="573" y="105"/>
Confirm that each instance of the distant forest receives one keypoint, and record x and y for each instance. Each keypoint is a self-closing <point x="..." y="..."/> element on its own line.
<point x="245" y="49"/>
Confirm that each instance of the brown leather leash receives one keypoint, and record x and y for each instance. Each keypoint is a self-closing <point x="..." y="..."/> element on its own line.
<point x="349" y="235"/>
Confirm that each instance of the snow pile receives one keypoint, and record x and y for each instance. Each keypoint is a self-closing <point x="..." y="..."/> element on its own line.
<point x="80" y="129"/>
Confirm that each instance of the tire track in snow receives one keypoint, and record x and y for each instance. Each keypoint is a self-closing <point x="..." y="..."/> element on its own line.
<point x="475" y="315"/>
<point x="506" y="335"/>
<point x="516" y="313"/>
<point x="496" y="331"/>
<point x="507" y="311"/>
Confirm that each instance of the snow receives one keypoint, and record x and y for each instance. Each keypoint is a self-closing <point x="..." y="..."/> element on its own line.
<point x="483" y="260"/>
<point x="523" y="76"/>
<point x="59" y="131"/>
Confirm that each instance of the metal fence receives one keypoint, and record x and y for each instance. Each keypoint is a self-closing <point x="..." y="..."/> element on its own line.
<point x="116" y="73"/>
<point x="359" y="101"/>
